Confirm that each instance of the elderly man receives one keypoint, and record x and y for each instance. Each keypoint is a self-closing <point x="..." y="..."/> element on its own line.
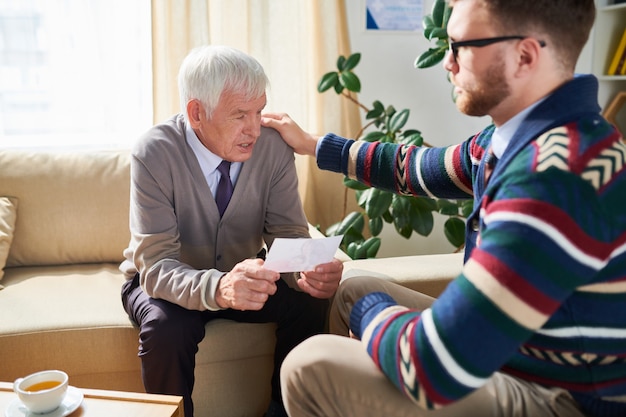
<point x="209" y="189"/>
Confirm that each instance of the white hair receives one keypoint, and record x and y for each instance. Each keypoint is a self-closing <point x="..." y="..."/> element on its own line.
<point x="208" y="71"/>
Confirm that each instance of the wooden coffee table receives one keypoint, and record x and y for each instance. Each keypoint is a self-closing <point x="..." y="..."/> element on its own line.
<point x="101" y="403"/>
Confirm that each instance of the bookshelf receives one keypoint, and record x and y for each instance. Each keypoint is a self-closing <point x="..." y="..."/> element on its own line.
<point x="607" y="32"/>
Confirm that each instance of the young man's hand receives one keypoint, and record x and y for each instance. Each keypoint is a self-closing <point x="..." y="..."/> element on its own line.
<point x="302" y="142"/>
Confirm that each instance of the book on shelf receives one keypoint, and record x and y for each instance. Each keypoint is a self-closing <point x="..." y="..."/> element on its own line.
<point x="621" y="66"/>
<point x="619" y="57"/>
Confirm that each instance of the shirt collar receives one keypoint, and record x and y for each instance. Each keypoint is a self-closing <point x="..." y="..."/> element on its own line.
<point x="207" y="159"/>
<point x="502" y="135"/>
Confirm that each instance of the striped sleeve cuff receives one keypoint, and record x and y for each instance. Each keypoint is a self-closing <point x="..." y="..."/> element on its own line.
<point x="330" y="153"/>
<point x="366" y="308"/>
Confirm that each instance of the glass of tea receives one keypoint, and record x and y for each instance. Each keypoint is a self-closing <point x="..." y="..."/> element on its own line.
<point x="42" y="392"/>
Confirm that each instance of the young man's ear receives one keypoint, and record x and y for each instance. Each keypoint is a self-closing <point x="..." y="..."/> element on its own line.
<point x="529" y="50"/>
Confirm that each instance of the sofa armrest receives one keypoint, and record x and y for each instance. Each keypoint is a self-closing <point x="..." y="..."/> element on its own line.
<point x="428" y="274"/>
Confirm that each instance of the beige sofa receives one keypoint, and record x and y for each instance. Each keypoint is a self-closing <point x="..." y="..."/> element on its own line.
<point x="63" y="226"/>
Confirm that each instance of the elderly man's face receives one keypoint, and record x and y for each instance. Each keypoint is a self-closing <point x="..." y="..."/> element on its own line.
<point x="234" y="127"/>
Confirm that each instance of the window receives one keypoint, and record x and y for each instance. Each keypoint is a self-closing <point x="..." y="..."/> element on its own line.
<point x="74" y="73"/>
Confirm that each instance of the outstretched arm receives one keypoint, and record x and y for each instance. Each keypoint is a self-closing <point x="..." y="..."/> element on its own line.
<point x="302" y="142"/>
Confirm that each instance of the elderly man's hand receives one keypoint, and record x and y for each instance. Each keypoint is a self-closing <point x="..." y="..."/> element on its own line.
<point x="247" y="286"/>
<point x="323" y="281"/>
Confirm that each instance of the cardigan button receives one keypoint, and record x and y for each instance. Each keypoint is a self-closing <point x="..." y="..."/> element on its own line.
<point x="475" y="224"/>
<point x="218" y="257"/>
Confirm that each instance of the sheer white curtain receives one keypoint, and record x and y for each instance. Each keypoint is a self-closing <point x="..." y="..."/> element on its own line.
<point x="74" y="73"/>
<point x="296" y="42"/>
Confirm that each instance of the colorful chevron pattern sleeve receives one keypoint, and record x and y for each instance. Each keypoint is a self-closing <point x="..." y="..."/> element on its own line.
<point x="401" y="168"/>
<point x="542" y="296"/>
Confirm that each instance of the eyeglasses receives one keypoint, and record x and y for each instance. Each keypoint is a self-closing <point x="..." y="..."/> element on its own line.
<point x="479" y="43"/>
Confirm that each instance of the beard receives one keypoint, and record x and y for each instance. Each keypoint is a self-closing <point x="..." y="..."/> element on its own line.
<point x="486" y="92"/>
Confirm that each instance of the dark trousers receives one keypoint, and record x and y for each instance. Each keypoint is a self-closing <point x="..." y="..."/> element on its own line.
<point x="169" y="334"/>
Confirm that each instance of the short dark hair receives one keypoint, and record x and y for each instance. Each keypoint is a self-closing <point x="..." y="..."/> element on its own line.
<point x="566" y="24"/>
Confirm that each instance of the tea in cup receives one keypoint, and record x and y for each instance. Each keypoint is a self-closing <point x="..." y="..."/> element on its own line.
<point x="42" y="392"/>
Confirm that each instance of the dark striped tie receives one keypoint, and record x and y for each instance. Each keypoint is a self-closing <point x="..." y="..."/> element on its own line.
<point x="224" y="187"/>
<point x="490" y="163"/>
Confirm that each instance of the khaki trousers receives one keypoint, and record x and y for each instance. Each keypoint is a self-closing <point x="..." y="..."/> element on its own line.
<point x="333" y="376"/>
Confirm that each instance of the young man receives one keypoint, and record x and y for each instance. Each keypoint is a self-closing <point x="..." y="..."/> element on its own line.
<point x="536" y="323"/>
<point x="192" y="252"/>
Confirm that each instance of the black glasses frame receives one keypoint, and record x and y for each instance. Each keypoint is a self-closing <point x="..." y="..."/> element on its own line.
<point x="479" y="43"/>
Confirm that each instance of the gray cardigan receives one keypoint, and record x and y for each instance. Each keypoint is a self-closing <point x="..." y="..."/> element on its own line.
<point x="179" y="245"/>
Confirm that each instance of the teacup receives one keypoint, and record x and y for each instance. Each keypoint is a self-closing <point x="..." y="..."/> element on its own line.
<point x="42" y="392"/>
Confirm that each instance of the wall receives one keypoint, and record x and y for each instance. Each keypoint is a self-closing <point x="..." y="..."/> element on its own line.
<point x="388" y="74"/>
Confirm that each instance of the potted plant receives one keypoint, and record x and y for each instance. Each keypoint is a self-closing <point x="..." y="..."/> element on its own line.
<point x="408" y="214"/>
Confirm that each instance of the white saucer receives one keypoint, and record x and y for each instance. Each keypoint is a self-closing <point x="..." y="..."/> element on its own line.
<point x="71" y="402"/>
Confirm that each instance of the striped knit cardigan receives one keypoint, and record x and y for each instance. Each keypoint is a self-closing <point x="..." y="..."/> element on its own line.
<point x="542" y="295"/>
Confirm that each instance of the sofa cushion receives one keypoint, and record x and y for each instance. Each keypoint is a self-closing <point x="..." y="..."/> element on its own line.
<point x="73" y="205"/>
<point x="71" y="317"/>
<point x="8" y="213"/>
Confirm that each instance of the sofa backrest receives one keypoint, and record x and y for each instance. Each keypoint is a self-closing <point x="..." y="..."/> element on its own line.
<point x="72" y="206"/>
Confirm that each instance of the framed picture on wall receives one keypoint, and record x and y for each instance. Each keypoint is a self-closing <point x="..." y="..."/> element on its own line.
<point x="394" y="15"/>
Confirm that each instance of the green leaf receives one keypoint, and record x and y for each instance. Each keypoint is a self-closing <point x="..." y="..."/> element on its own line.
<point x="430" y="58"/>
<point x="423" y="223"/>
<point x="338" y="88"/>
<point x="412" y="137"/>
<point x="349" y="80"/>
<point x="354" y="184"/>
<point x="351" y="250"/>
<point x="439" y="33"/>
<point x="378" y="203"/>
<point x="373" y="114"/>
<point x="411" y="132"/>
<point x="403" y="227"/>
<point x="454" y="229"/>
<point x="371" y="247"/>
<point x="373" y="136"/>
<point x="437" y="12"/>
<point x="425" y="203"/>
<point x="399" y="120"/>
<point x="362" y="196"/>
<point x="367" y="249"/>
<point x="401" y="210"/>
<point x="422" y="220"/>
<point x="389" y="137"/>
<point x="427" y="31"/>
<point x="351" y="62"/>
<point x="341" y="62"/>
<point x="467" y="207"/>
<point x="428" y="24"/>
<point x="378" y="105"/>
<point x="352" y="235"/>
<point x="353" y="220"/>
<point x="329" y="80"/>
<point x="376" y="226"/>
<point x="390" y="111"/>
<point x="448" y="207"/>
<point x="446" y="16"/>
